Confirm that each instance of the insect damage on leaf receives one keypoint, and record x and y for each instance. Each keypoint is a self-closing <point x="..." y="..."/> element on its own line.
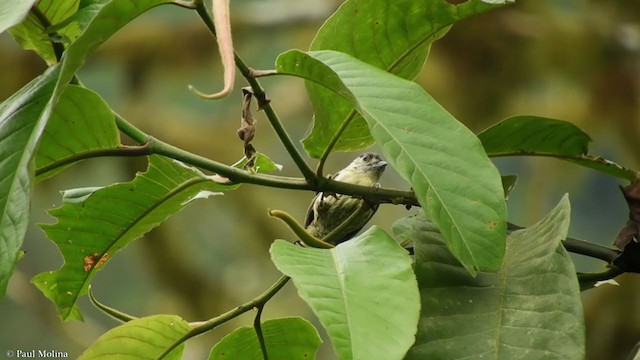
<point x="91" y="261"/>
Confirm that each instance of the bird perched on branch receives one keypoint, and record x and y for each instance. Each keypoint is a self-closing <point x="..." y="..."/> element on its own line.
<point x="328" y="211"/>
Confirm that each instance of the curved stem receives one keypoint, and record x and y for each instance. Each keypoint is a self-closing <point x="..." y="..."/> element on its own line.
<point x="130" y="130"/>
<point x="306" y="238"/>
<point x="263" y="104"/>
<point x="590" y="249"/>
<point x="125" y="151"/>
<point x="608" y="274"/>
<point x="201" y="327"/>
<point x="119" y="315"/>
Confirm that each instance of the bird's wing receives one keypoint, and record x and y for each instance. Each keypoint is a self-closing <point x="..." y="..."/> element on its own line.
<point x="353" y="233"/>
<point x="311" y="213"/>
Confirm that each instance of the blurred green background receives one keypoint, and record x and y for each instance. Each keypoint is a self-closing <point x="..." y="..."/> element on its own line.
<point x="576" y="60"/>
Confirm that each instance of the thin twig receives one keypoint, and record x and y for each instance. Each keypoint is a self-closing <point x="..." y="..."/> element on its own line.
<point x="202" y="327"/>
<point x="131" y="130"/>
<point x="608" y="274"/>
<point x="333" y="142"/>
<point x="119" y="315"/>
<point x="583" y="247"/>
<point x="258" y="327"/>
<point x="124" y="151"/>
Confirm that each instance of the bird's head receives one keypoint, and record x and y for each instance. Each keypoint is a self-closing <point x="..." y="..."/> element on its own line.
<point x="368" y="165"/>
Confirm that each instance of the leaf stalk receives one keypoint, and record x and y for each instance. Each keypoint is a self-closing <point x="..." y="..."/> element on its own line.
<point x="202" y="327"/>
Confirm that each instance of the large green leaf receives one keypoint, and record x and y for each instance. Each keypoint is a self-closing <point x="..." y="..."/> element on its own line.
<point x="144" y="338"/>
<point x="393" y="35"/>
<point x="288" y="338"/>
<point x="13" y="12"/>
<point x="533" y="134"/>
<point x="531" y="309"/>
<point x="24" y="116"/>
<point x="80" y="122"/>
<point x="90" y="232"/>
<point x="22" y="119"/>
<point x="33" y="32"/>
<point x="538" y="136"/>
<point x="363" y="291"/>
<point x="454" y="181"/>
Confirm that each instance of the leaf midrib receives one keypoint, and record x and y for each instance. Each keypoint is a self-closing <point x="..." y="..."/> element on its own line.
<point x="164" y="199"/>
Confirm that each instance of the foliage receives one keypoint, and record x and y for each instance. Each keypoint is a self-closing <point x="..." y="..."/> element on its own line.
<point x="502" y="293"/>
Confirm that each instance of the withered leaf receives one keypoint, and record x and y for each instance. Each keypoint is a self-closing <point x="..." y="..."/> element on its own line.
<point x="627" y="239"/>
<point x="631" y="230"/>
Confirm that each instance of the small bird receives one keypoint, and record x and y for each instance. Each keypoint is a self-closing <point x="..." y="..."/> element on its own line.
<point x="328" y="211"/>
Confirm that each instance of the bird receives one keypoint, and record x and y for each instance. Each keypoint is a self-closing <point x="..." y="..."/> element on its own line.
<point x="328" y="211"/>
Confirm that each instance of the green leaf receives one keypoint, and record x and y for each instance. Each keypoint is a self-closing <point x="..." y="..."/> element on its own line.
<point x="262" y="164"/>
<point x="538" y="136"/>
<point x="33" y="33"/>
<point x="532" y="134"/>
<point x="22" y="119"/>
<point x="455" y="182"/>
<point x="393" y="35"/>
<point x="531" y="309"/>
<point x="80" y="122"/>
<point x="363" y="291"/>
<point x="89" y="233"/>
<point x="12" y="12"/>
<point x="508" y="183"/>
<point x="24" y="116"/>
<point x="144" y="338"/>
<point x="287" y="338"/>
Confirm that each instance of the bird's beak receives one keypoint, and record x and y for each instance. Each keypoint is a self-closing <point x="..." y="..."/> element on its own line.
<point x="381" y="164"/>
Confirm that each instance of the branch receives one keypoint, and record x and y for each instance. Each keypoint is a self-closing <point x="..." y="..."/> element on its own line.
<point x="591" y="278"/>
<point x="234" y="175"/>
<point x="263" y="104"/>
<point x="131" y="130"/>
<point x="202" y="327"/>
<point x="257" y="326"/>
<point x="590" y="249"/>
<point x="124" y="151"/>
